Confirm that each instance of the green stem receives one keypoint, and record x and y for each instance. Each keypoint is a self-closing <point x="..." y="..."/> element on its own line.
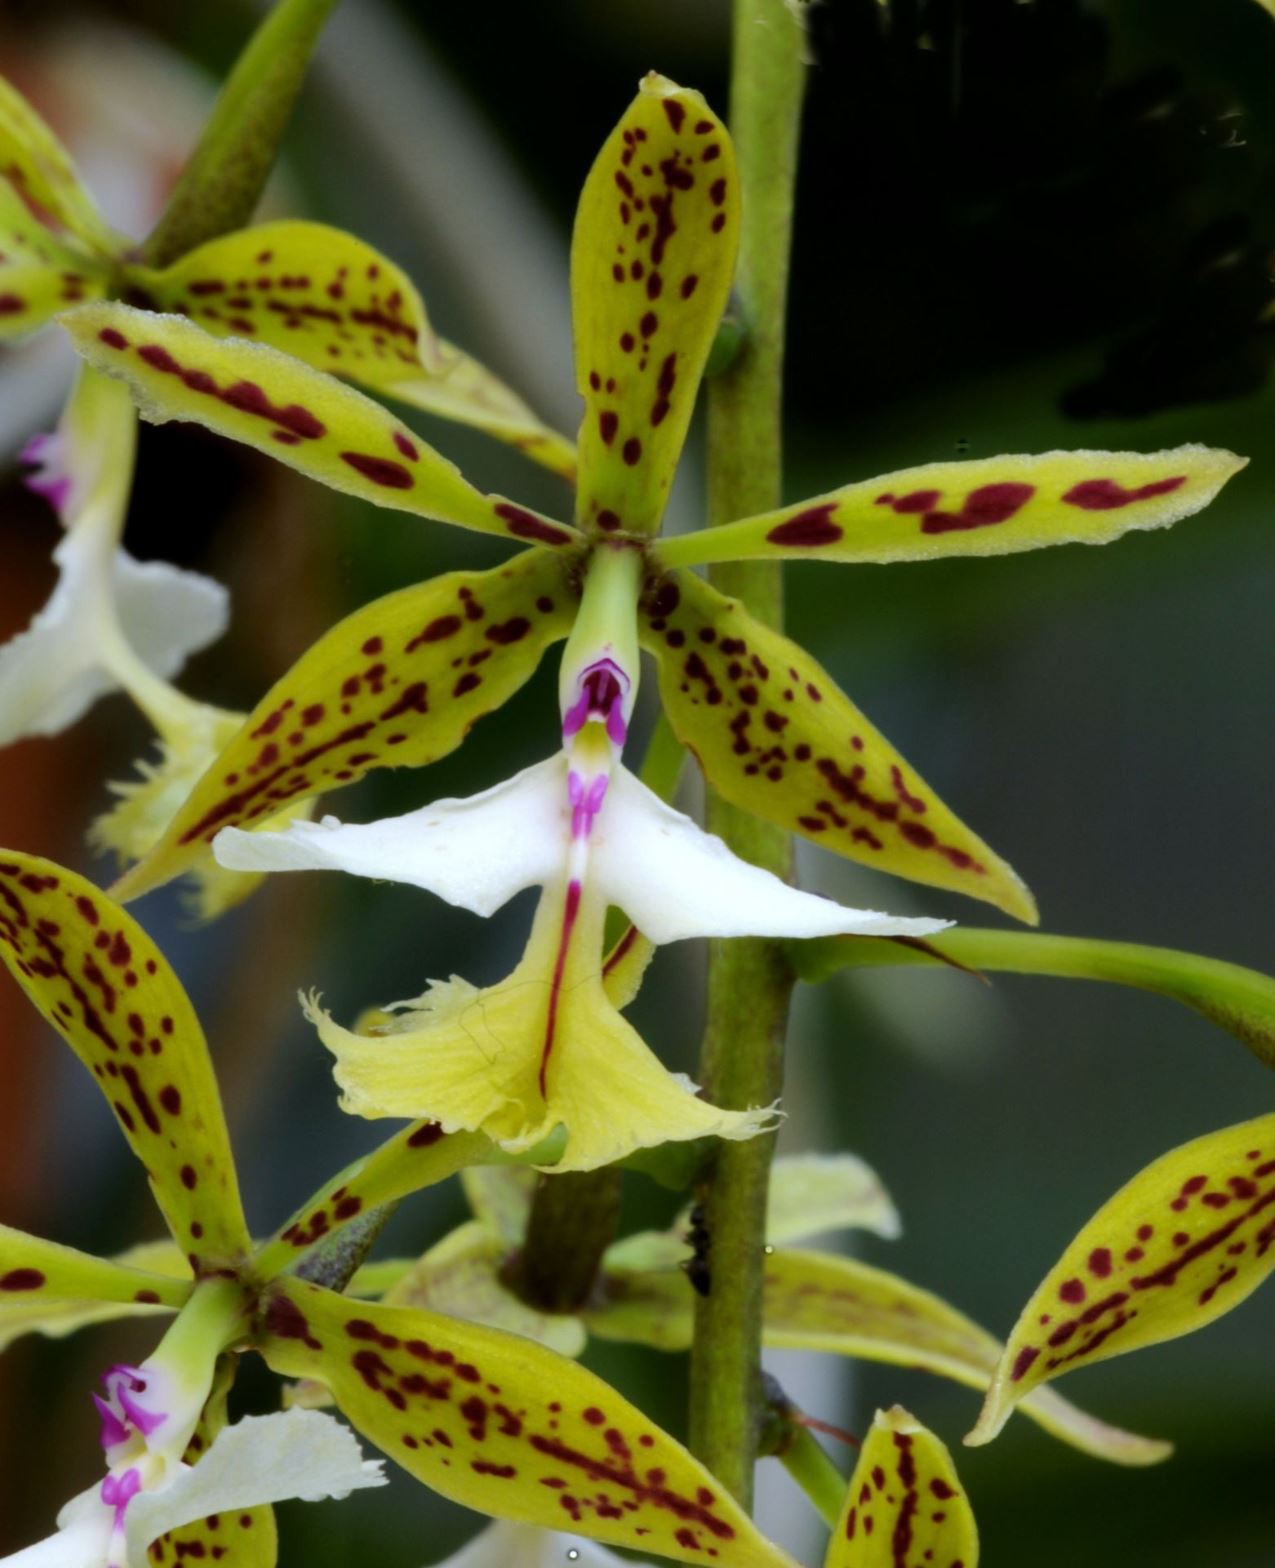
<point x="749" y="982"/>
<point x="816" y="1475"/>
<point x="220" y="186"/>
<point x="571" y="1224"/>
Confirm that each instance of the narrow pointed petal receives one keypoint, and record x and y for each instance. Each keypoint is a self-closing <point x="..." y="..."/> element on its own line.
<point x="817" y="1301"/>
<point x="990" y="506"/>
<point x="334" y="302"/>
<point x="464" y="391"/>
<point x="37" y="169"/>
<point x="460" y="1277"/>
<point x="258" y="1460"/>
<point x="325" y="429"/>
<point x="811" y="1194"/>
<point x="33" y="1312"/>
<point x="652" y="259"/>
<point x="418" y="1157"/>
<point x="397" y="684"/>
<point x="44" y="1271"/>
<point x="1185" y="1241"/>
<point x="775" y="735"/>
<point x="541" y="1050"/>
<point x="39" y="277"/>
<point x="110" y="993"/>
<point x="905" y="1503"/>
<point x="313" y="291"/>
<point x="675" y="881"/>
<point x="506" y="1427"/>
<point x="476" y="853"/>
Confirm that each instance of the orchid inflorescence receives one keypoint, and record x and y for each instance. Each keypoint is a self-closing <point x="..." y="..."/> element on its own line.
<point x="264" y="335"/>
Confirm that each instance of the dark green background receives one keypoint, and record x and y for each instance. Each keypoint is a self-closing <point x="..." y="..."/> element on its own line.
<point x="1020" y="226"/>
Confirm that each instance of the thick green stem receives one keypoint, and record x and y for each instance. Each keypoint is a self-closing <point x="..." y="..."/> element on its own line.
<point x="572" y="1223"/>
<point x="221" y="184"/>
<point x="749" y="981"/>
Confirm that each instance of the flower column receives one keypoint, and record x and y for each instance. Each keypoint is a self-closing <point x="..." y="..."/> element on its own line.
<point x="749" y="980"/>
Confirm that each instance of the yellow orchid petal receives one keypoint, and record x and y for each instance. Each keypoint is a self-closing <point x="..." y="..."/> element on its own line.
<point x="651" y="264"/>
<point x="905" y="1504"/>
<point x="817" y="1301"/>
<point x="775" y="735"/>
<point x="625" y="966"/>
<point x="417" y="1157"/>
<point x="1185" y="1241"/>
<point x="39" y="277"/>
<point x="397" y="684"/>
<point x="462" y="390"/>
<point x="314" y="291"/>
<point x="502" y="1425"/>
<point x="35" y="1312"/>
<point x="328" y="299"/>
<point x="308" y="420"/>
<point x="37" y="170"/>
<point x="990" y="506"/>
<point x="460" y="1277"/>
<point x="53" y="1290"/>
<point x="110" y="993"/>
<point x="477" y="1059"/>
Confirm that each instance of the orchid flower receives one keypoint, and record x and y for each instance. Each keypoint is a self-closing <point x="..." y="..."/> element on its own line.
<point x="486" y="1418"/>
<point x="174" y="1468"/>
<point x="112" y="621"/>
<point x="325" y="296"/>
<point x="547" y="1047"/>
<point x="815" y="1301"/>
<point x="401" y="681"/>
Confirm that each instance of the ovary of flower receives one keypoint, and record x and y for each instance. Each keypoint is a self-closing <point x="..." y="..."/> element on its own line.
<point x="111" y="622"/>
<point x="546" y="1047"/>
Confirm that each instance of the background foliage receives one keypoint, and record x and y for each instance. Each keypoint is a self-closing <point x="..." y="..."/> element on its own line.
<point x="1021" y="224"/>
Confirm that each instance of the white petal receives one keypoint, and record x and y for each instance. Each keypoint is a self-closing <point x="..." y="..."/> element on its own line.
<point x="673" y="880"/>
<point x="261" y="1459"/>
<point x="50" y="674"/>
<point x="167" y="613"/>
<point x="81" y="1541"/>
<point x="476" y="852"/>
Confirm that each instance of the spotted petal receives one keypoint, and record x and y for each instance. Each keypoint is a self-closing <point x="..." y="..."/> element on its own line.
<point x="817" y="1301"/>
<point x="990" y="506"/>
<point x="775" y="735"/>
<point x="508" y="1428"/>
<point x="398" y="683"/>
<point x="1185" y="1241"/>
<point x="308" y="420"/>
<point x="464" y="391"/>
<point x="38" y="275"/>
<point x="34" y="1311"/>
<point x="905" y="1503"/>
<point x="106" y="988"/>
<point x="37" y="169"/>
<point x="41" y="1272"/>
<point x="651" y="265"/>
<point x="417" y="1157"/>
